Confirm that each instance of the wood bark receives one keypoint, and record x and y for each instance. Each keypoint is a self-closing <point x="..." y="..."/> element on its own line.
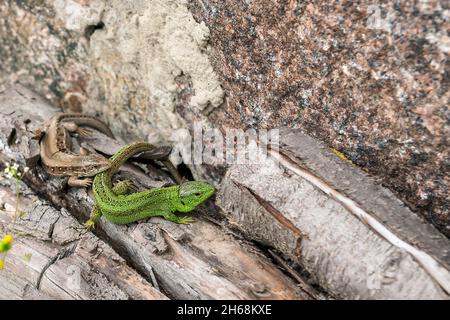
<point x="54" y="258"/>
<point x="198" y="261"/>
<point x="309" y="207"/>
<point x="351" y="234"/>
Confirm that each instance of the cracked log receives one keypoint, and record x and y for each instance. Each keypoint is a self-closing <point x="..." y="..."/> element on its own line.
<point x="54" y="258"/>
<point x="353" y="236"/>
<point x="197" y="261"/>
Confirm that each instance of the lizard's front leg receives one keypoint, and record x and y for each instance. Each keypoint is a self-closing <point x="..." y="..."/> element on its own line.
<point x="39" y="133"/>
<point x="122" y="187"/>
<point x="79" y="183"/>
<point x="174" y="218"/>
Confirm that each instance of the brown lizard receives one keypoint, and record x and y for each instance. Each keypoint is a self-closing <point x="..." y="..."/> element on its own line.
<point x="56" y="154"/>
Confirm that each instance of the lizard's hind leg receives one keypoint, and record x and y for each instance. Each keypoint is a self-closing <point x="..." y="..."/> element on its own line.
<point x="96" y="214"/>
<point x="84" y="151"/>
<point x="73" y="127"/>
<point x="124" y="187"/>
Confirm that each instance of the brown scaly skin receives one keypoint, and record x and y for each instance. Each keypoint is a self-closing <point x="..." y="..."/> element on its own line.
<point x="56" y="148"/>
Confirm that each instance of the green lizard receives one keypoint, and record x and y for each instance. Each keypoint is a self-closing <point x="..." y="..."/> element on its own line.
<point x="121" y="208"/>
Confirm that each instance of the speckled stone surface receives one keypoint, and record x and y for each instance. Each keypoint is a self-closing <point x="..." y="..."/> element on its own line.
<point x="36" y="50"/>
<point x="126" y="61"/>
<point x="369" y="79"/>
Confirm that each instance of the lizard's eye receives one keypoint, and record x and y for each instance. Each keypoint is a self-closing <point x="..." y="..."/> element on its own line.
<point x="197" y="194"/>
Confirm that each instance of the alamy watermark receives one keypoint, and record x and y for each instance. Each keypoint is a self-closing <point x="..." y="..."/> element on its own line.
<point x="227" y="146"/>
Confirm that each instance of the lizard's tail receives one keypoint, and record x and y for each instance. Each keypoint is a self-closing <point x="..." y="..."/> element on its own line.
<point x="85" y="120"/>
<point x="127" y="152"/>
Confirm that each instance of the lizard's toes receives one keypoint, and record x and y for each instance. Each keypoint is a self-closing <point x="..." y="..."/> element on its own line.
<point x="38" y="134"/>
<point x="83" y="132"/>
<point x="89" y="225"/>
<point x="133" y="187"/>
<point x="130" y="185"/>
<point x="86" y="182"/>
<point x="185" y="220"/>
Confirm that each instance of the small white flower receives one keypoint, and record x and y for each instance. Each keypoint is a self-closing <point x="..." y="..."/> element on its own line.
<point x="12" y="171"/>
<point x="25" y="170"/>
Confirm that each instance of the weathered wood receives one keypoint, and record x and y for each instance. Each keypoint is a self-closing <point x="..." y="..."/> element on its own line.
<point x="53" y="257"/>
<point x="364" y="189"/>
<point x="197" y="261"/>
<point x="353" y="236"/>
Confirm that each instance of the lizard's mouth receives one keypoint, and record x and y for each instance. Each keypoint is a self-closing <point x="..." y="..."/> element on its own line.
<point x="206" y="193"/>
<point x="194" y="193"/>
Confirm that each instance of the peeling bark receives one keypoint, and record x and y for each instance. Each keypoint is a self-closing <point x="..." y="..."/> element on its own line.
<point x="197" y="261"/>
<point x="356" y="238"/>
<point x="54" y="258"/>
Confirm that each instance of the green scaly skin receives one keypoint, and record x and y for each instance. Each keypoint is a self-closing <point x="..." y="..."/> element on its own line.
<point x="119" y="207"/>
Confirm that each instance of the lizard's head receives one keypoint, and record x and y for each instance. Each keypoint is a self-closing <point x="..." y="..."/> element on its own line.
<point x="193" y="193"/>
<point x="94" y="164"/>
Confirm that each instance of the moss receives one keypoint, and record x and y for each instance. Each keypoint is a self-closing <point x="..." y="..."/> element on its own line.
<point x="341" y="155"/>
